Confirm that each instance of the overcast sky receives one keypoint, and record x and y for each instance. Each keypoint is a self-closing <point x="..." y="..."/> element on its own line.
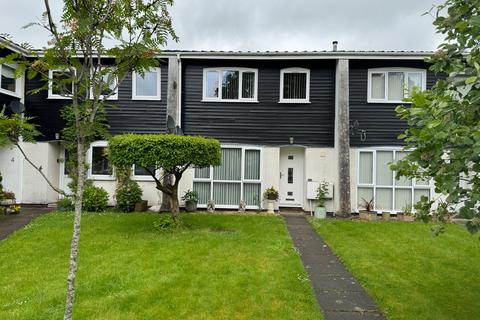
<point x="271" y="24"/>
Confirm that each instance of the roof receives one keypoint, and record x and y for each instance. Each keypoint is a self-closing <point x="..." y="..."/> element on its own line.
<point x="9" y="44"/>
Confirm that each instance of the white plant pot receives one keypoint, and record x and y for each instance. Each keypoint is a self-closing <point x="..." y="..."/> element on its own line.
<point x="320" y="212"/>
<point x="271" y="206"/>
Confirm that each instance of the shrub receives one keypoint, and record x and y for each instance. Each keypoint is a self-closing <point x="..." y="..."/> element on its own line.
<point x="166" y="222"/>
<point x="128" y="195"/>
<point x="190" y="196"/>
<point x="65" y="204"/>
<point x="95" y="199"/>
<point x="270" y="194"/>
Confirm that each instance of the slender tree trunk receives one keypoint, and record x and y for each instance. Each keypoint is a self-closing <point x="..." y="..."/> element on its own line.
<point x="175" y="207"/>
<point x="76" y="231"/>
<point x="166" y="202"/>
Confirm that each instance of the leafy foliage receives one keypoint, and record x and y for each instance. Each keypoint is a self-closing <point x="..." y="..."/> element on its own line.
<point x="128" y="192"/>
<point x="322" y="192"/>
<point x="270" y="194"/>
<point x="65" y="204"/>
<point x="14" y="126"/>
<point x="95" y="199"/>
<point x="444" y="132"/>
<point x="167" y="223"/>
<point x="190" y="196"/>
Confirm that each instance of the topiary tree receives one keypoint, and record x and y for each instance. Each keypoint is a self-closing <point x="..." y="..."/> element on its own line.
<point x="171" y="154"/>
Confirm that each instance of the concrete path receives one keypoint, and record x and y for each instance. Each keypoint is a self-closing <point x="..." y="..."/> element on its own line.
<point x="338" y="293"/>
<point x="12" y="222"/>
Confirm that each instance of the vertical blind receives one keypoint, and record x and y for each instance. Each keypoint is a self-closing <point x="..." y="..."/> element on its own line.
<point x="395" y="86"/>
<point x="226" y="185"/>
<point x="378" y="86"/>
<point x="230" y="82"/>
<point x="248" y="85"/>
<point x="294" y="85"/>
<point x="376" y="180"/>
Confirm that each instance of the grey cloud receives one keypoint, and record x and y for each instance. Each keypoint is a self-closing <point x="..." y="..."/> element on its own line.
<point x="272" y="24"/>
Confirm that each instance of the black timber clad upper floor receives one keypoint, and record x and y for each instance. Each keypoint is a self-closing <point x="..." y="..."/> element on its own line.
<point x="379" y="120"/>
<point x="267" y="122"/>
<point x="125" y="116"/>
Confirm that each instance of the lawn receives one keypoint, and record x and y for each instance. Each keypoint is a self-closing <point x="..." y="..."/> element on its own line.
<point x="409" y="272"/>
<point x="218" y="267"/>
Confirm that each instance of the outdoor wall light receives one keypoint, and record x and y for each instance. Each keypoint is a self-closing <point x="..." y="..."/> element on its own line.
<point x="291" y="140"/>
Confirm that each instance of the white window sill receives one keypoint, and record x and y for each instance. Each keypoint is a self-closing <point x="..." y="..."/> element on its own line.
<point x="294" y="101"/>
<point x="231" y="100"/>
<point x="143" y="178"/>
<point x="147" y="98"/>
<point x="97" y="177"/>
<point x="9" y="93"/>
<point x="388" y="102"/>
<point x="59" y="98"/>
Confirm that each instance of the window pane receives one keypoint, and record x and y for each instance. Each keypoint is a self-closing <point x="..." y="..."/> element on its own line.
<point x="203" y="190"/>
<point x="378" y="86"/>
<point x="252" y="165"/>
<point x="61" y="85"/>
<point x="414" y="81"/>
<point x="399" y="155"/>
<point x="383" y="199"/>
<point x="365" y="174"/>
<point x="108" y="84"/>
<point x="230" y="84"/>
<point x="231" y="167"/>
<point x="140" y="171"/>
<point x="8" y="78"/>
<point x="384" y="174"/>
<point x="202" y="173"/>
<point x="252" y="193"/>
<point x="100" y="163"/>
<point x="294" y="85"/>
<point x="225" y="193"/>
<point x="212" y="84"/>
<point x="363" y="194"/>
<point x="248" y="85"/>
<point x="147" y="85"/>
<point x="418" y="193"/>
<point x="395" y="86"/>
<point x="403" y="198"/>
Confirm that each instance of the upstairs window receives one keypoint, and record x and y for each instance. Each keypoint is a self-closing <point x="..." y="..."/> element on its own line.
<point x="146" y="87"/>
<point x="108" y="85"/>
<point x="295" y="85"/>
<point x="8" y="83"/>
<point x="230" y="84"/>
<point x="393" y="85"/>
<point x="60" y="84"/>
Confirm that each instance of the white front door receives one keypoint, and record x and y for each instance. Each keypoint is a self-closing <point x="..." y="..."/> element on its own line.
<point x="292" y="182"/>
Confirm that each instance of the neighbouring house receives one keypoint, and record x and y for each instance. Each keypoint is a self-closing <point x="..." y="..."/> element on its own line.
<point x="284" y="119"/>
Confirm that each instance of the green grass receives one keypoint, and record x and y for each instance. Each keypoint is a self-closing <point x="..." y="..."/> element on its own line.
<point x="409" y="272"/>
<point x="219" y="267"/>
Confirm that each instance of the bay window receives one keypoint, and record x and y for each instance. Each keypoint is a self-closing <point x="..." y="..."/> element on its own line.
<point x="377" y="181"/>
<point x="392" y="85"/>
<point x="230" y="84"/>
<point x="236" y="179"/>
<point x="295" y="85"/>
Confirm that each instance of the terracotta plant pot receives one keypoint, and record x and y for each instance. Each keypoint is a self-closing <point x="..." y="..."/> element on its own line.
<point x="141" y="206"/>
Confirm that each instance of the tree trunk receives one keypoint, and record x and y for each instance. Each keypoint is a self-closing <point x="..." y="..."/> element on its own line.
<point x="76" y="232"/>
<point x="166" y="202"/>
<point x="175" y="207"/>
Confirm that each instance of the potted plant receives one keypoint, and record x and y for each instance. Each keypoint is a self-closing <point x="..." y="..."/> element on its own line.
<point x="406" y="214"/>
<point x="322" y="191"/>
<point x="367" y="213"/>
<point x="8" y="198"/>
<point x="271" y="195"/>
<point x="191" y="200"/>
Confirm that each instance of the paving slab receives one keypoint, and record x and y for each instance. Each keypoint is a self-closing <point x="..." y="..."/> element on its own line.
<point x="338" y="293"/>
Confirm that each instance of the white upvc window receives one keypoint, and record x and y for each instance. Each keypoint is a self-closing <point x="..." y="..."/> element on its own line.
<point x="9" y="85"/>
<point x="237" y="178"/>
<point x="148" y="86"/>
<point x="295" y="85"/>
<point x="99" y="166"/>
<point x="376" y="181"/>
<point x="109" y="84"/>
<point x="141" y="174"/>
<point x="62" y="91"/>
<point x="393" y="85"/>
<point x="230" y="84"/>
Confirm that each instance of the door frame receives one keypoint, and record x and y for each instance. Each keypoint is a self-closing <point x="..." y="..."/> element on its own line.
<point x="301" y="201"/>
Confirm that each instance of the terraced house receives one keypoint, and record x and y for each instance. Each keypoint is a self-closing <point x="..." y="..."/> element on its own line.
<point x="284" y="119"/>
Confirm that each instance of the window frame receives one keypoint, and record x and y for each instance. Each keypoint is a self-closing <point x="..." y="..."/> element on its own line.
<point x="392" y="187"/>
<point x="18" y="82"/>
<point x="91" y="175"/>
<point x="134" y="86"/>
<point x="51" y="95"/>
<point x="242" y="180"/>
<point x="113" y="96"/>
<point x="220" y="71"/>
<point x="307" y="87"/>
<point x="385" y="72"/>
<point x="145" y="177"/>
